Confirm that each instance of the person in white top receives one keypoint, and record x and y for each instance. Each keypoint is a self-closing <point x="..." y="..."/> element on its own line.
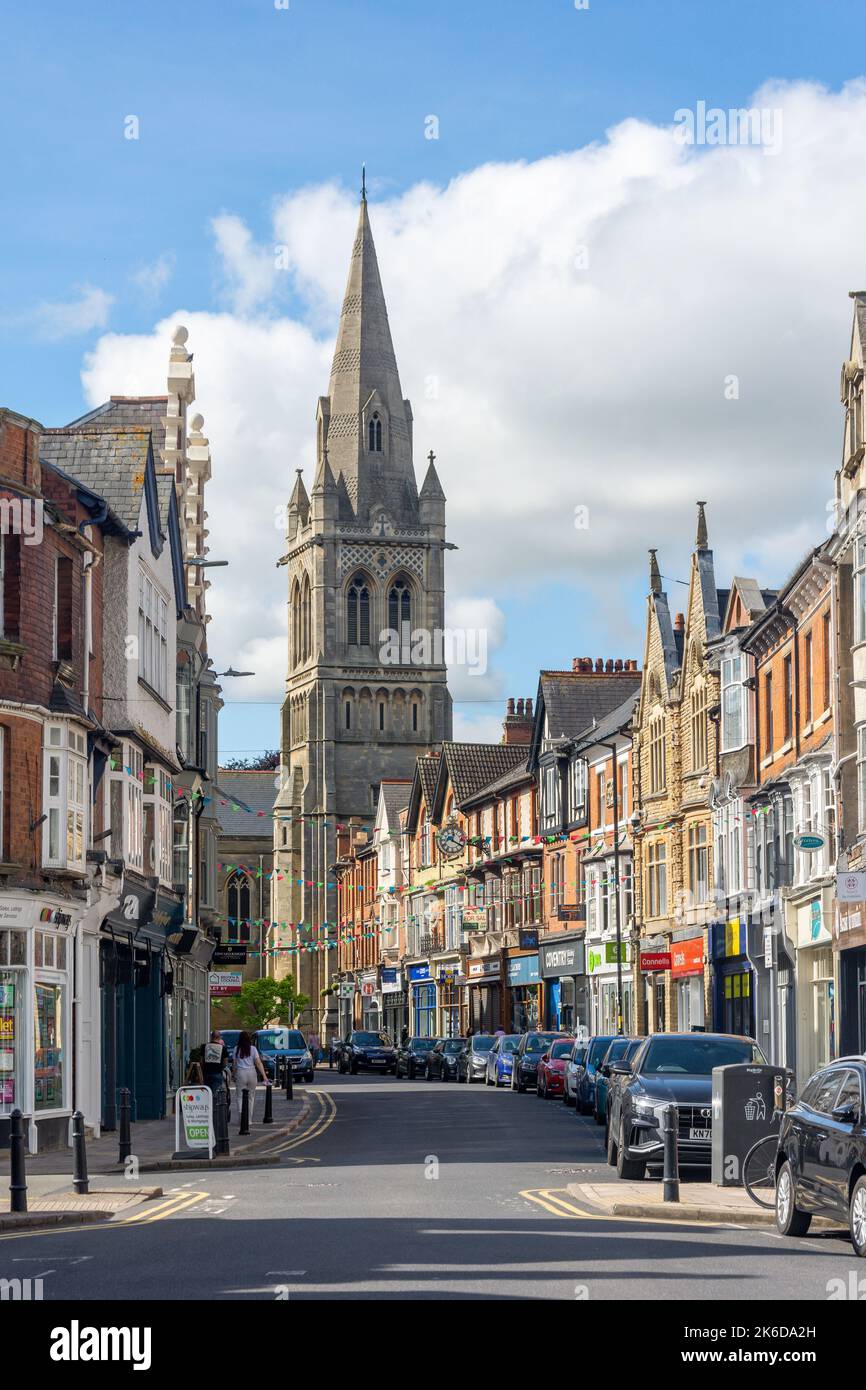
<point x="246" y="1069"/>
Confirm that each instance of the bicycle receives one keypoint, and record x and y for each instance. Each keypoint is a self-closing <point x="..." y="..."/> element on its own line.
<point x="759" y="1171"/>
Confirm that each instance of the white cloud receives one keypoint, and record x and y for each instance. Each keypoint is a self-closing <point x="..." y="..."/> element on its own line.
<point x="153" y="277"/>
<point x="544" y="386"/>
<point x="68" y="319"/>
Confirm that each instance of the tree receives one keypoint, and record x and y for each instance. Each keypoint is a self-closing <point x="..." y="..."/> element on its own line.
<point x="263" y="1001"/>
<point x="268" y="761"/>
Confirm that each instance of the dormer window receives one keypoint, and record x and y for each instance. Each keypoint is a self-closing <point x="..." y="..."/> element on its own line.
<point x="374" y="434"/>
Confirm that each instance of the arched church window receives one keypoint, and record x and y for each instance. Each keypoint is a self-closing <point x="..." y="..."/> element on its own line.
<point x="238" y="907"/>
<point x="296" y="624"/>
<point x="374" y="434"/>
<point x="306" y="621"/>
<point x="358" y="613"/>
<point x="399" y="605"/>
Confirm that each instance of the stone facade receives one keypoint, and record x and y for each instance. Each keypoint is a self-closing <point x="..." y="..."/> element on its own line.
<point x="365" y="557"/>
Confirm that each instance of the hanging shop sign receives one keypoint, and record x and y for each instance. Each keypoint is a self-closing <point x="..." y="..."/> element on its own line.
<point x="527" y="938"/>
<point x="230" y="955"/>
<point x="851" y="888"/>
<point x="809" y="842"/>
<point x="135" y="907"/>
<point x="225" y="981"/>
<point x="346" y="989"/>
<point x="571" y="912"/>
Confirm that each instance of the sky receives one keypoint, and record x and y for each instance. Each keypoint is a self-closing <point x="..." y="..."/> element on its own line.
<point x="597" y="321"/>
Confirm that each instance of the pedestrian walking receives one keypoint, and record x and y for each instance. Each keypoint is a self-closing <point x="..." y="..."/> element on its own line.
<point x="246" y="1069"/>
<point x="315" y="1046"/>
<point x="215" y="1060"/>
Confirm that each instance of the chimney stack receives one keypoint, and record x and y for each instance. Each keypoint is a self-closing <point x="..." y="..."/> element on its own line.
<point x="680" y="622"/>
<point x="517" y="728"/>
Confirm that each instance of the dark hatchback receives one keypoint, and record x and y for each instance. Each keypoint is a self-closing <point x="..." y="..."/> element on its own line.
<point x="444" y="1058"/>
<point x="532" y="1046"/>
<point x="411" y="1057"/>
<point x="821" y="1159"/>
<point x="620" y="1050"/>
<point x="669" y="1069"/>
<point x="366" y="1051"/>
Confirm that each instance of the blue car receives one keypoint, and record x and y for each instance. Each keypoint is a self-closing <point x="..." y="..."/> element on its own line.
<point x="620" y="1050"/>
<point x="585" y="1093"/>
<point x="278" y="1046"/>
<point x="500" y="1060"/>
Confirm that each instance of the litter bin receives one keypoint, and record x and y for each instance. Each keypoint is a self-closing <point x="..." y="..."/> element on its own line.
<point x="745" y="1097"/>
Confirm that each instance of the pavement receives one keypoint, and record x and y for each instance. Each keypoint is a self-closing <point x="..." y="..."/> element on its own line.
<point x="400" y="1190"/>
<point x="698" y="1201"/>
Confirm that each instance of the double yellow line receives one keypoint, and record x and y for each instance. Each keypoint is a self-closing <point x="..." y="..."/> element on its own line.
<point x="320" y="1122"/>
<point x="144" y="1215"/>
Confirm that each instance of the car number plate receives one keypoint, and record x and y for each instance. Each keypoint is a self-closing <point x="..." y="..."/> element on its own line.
<point x="705" y="1134"/>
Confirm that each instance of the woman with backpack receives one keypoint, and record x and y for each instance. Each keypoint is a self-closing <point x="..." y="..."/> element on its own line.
<point x="247" y="1067"/>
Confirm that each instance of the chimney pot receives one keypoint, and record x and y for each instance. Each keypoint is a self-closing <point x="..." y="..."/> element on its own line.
<point x="680" y="622"/>
<point x="617" y="665"/>
<point x="529" y="708"/>
<point x="509" y="708"/>
<point x="599" y="663"/>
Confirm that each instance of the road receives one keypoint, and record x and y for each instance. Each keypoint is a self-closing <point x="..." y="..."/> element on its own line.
<point x="416" y="1190"/>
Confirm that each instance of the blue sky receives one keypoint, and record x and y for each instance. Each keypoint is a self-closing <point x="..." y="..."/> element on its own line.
<point x="241" y="104"/>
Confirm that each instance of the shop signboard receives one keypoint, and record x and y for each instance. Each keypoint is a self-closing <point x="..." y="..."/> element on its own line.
<point x="523" y="970"/>
<point x="474" y="918"/>
<point x="478" y="970"/>
<point x="346" y="989"/>
<point x="194" y="1115"/>
<point x="653" y="961"/>
<point x="135" y="906"/>
<point x="419" y="972"/>
<point x="562" y="958"/>
<point x="225" y="981"/>
<point x="391" y="981"/>
<point x="368" y="988"/>
<point x="687" y="957"/>
<point x="601" y="958"/>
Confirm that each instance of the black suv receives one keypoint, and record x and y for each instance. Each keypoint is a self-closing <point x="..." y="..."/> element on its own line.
<point x="365" y="1051"/>
<point x="821" y="1160"/>
<point x="669" y="1069"/>
<point x="443" y="1059"/>
<point x="531" y="1047"/>
<point x="411" y="1057"/>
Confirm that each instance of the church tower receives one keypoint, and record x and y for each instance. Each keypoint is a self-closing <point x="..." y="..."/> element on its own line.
<point x="365" y="555"/>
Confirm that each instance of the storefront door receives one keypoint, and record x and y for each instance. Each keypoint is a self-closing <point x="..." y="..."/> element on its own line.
<point x="424" y="1012"/>
<point x="737" y="1013"/>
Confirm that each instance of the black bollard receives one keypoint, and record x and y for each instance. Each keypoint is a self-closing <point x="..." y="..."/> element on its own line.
<point x="80" y="1180"/>
<point x="245" y="1112"/>
<point x="269" y="1105"/>
<point x="289" y="1091"/>
<point x="221" y="1121"/>
<point x="125" y="1146"/>
<point x="17" y="1176"/>
<point x="671" y="1174"/>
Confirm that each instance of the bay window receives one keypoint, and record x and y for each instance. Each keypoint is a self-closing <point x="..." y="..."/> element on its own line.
<point x="733" y="704"/>
<point x="152" y="635"/>
<point x="859" y="576"/>
<point x="125" y="781"/>
<point x="65" y="795"/>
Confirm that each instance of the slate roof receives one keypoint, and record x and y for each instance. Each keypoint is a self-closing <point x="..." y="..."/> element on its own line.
<point x="395" y="795"/>
<point x="572" y="699"/>
<point x="612" y="722"/>
<point x="428" y="772"/>
<point x="109" y="462"/>
<point x="471" y="766"/>
<point x="512" y="778"/>
<point x="256" y="790"/>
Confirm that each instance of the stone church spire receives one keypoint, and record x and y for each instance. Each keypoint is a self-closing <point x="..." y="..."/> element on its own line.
<point x="366" y="423"/>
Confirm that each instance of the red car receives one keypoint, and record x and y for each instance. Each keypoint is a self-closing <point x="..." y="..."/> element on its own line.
<point x="551" y="1068"/>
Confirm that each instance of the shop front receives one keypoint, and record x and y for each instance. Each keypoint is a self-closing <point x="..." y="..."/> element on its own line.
<point x="37" y="994"/>
<point x="482" y="990"/>
<point x="448" y="976"/>
<point x="394" y="1011"/>
<point x="371" y="1001"/>
<point x="562" y="967"/>
<point x="603" y="975"/>
<point x="817" y="1021"/>
<point x="422" y="1001"/>
<point x="688" y="999"/>
<point x="850" y="947"/>
<point x="733" y="983"/>
<point x="525" y="991"/>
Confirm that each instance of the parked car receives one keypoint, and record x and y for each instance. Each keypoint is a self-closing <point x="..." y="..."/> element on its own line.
<point x="573" y="1070"/>
<point x="584" y="1095"/>
<point x="525" y="1070"/>
<point x="500" y="1059"/>
<point x="410" y="1058"/>
<point x="620" y="1050"/>
<point x="279" y="1045"/>
<point x="472" y="1062"/>
<point x="551" y="1068"/>
<point x="365" y="1051"/>
<point x="821" y="1159"/>
<point x="443" y="1058"/>
<point x="669" y="1069"/>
